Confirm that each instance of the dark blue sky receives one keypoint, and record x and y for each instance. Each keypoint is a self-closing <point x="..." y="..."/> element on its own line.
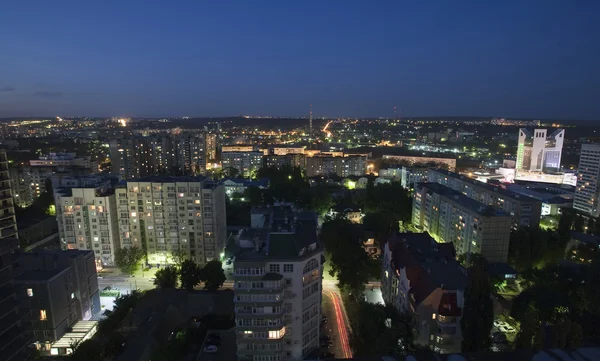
<point x="521" y="58"/>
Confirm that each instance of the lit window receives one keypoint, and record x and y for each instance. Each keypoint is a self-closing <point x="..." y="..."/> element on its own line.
<point x="72" y="295"/>
<point x="96" y="239"/>
<point x="43" y="316"/>
<point x="30" y="292"/>
<point x="387" y="274"/>
<point x="248" y="332"/>
<point x="433" y="316"/>
<point x="197" y="201"/>
<point x="133" y="214"/>
<point x="181" y="195"/>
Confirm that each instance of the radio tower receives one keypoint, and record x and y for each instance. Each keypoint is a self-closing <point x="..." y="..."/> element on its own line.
<point x="310" y="129"/>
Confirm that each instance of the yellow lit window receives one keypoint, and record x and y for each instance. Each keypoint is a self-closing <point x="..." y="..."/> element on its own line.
<point x="43" y="316"/>
<point x="433" y="316"/>
<point x="30" y="292"/>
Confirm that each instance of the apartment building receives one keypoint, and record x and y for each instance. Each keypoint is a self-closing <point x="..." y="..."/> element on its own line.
<point x="245" y="162"/>
<point x="587" y="191"/>
<point x="524" y="210"/>
<point x="422" y="278"/>
<point x="277" y="285"/>
<point x="167" y="215"/>
<point x="87" y="220"/>
<point x="62" y="160"/>
<point x="452" y="217"/>
<point x="210" y="146"/>
<point x="56" y="289"/>
<point x="411" y="161"/>
<point x="287" y="160"/>
<point x="14" y="337"/>
<point x="354" y="165"/>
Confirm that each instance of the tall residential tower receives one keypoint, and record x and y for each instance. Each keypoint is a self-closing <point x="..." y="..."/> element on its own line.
<point x="587" y="192"/>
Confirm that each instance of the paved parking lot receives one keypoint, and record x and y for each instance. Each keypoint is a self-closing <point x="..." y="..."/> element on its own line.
<point x="225" y="352"/>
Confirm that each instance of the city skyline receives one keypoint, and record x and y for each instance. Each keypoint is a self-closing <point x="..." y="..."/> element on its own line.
<point x="347" y="59"/>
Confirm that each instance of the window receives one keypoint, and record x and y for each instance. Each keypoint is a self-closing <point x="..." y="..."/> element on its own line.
<point x="433" y="316"/>
<point x="72" y="295"/>
<point x="274" y="268"/>
<point x="288" y="268"/>
<point x="30" y="292"/>
<point x="43" y="316"/>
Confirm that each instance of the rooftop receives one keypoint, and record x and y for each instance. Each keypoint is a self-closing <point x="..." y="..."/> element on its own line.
<point x="488" y="187"/>
<point x="463" y="200"/>
<point x="37" y="276"/>
<point x="429" y="265"/>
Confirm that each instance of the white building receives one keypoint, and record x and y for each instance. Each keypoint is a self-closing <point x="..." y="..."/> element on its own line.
<point x="171" y="216"/>
<point x="538" y="150"/>
<point x="278" y="286"/>
<point x="87" y="220"/>
<point x="587" y="191"/>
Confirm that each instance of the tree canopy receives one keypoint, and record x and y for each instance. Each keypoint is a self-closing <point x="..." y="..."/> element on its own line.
<point x="213" y="275"/>
<point x="128" y="259"/>
<point x="190" y="274"/>
<point x="166" y="277"/>
<point x="478" y="315"/>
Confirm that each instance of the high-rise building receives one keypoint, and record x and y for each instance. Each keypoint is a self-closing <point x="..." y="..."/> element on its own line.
<point x="471" y="226"/>
<point x="87" y="220"/>
<point x="13" y="336"/>
<point x="587" y="192"/>
<point x="422" y="278"/>
<point x="210" y="146"/>
<point x="525" y="211"/>
<point x="277" y="285"/>
<point x="137" y="157"/>
<point x="245" y="162"/>
<point x="539" y="151"/>
<point x="172" y="216"/>
<point x="342" y="166"/>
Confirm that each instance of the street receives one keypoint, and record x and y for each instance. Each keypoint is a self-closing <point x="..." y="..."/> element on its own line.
<point x="338" y="324"/>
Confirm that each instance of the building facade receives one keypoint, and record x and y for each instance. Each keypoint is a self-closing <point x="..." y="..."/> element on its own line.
<point x="422" y="278"/>
<point x="13" y="333"/>
<point x="277" y="285"/>
<point x="587" y="191"/>
<point x="539" y="151"/>
<point x="244" y="162"/>
<point x="409" y="160"/>
<point x="354" y="165"/>
<point x="171" y="216"/>
<point x="56" y="289"/>
<point x="452" y="217"/>
<point x="87" y="220"/>
<point x="524" y="210"/>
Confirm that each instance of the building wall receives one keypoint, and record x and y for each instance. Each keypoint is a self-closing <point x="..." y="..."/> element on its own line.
<point x="244" y="162"/>
<point x="587" y="191"/>
<point x="412" y="160"/>
<point x="341" y="166"/>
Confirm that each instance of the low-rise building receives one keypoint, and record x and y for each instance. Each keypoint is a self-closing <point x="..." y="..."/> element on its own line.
<point x="423" y="278"/>
<point x="57" y="289"/>
<point x="471" y="226"/>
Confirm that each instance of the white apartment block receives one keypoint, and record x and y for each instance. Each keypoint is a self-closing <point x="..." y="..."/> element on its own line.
<point x="278" y="286"/>
<point x="171" y="215"/>
<point x="587" y="192"/>
<point x="87" y="220"/>
<point x="245" y="162"/>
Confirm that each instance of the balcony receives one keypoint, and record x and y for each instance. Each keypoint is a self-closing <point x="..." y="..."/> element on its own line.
<point x="7" y="232"/>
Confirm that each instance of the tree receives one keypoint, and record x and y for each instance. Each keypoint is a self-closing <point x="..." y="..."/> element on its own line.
<point x="189" y="274"/>
<point x="213" y="275"/>
<point x="89" y="350"/>
<point x="166" y="277"/>
<point x="349" y="260"/>
<point x="478" y="314"/>
<point x="591" y="225"/>
<point x="254" y="195"/>
<point x="128" y="259"/>
<point x="178" y="256"/>
<point x="565" y="223"/>
<point x="578" y="224"/>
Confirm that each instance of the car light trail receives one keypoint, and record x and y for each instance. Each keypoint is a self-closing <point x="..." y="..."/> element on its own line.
<point x="341" y="325"/>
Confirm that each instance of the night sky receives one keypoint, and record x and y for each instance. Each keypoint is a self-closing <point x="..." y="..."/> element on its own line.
<point x="521" y="58"/>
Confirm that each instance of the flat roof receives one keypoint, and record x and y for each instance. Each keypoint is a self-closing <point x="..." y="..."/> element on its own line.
<point x="37" y="275"/>
<point x="463" y="200"/>
<point x="488" y="187"/>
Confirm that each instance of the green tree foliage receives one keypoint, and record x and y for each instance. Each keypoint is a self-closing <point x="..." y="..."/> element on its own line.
<point x="380" y="330"/>
<point x="579" y="223"/>
<point x="478" y="315"/>
<point x="317" y="198"/>
<point x="178" y="256"/>
<point x="231" y="172"/>
<point x="531" y="332"/>
<point x="189" y="274"/>
<point x="531" y="248"/>
<point x="565" y="223"/>
<point x="128" y="259"/>
<point x="254" y="195"/>
<point x="124" y="304"/>
<point x="591" y="225"/>
<point x="349" y="260"/>
<point x="166" y="277"/>
<point x="213" y="275"/>
<point x="89" y="350"/>
<point x="285" y="183"/>
<point x="389" y="198"/>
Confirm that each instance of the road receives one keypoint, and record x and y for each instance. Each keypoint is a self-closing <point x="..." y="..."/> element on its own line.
<point x="338" y="325"/>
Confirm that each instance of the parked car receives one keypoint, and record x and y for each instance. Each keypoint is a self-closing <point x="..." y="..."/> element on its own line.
<point x="507" y="329"/>
<point x="211" y="349"/>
